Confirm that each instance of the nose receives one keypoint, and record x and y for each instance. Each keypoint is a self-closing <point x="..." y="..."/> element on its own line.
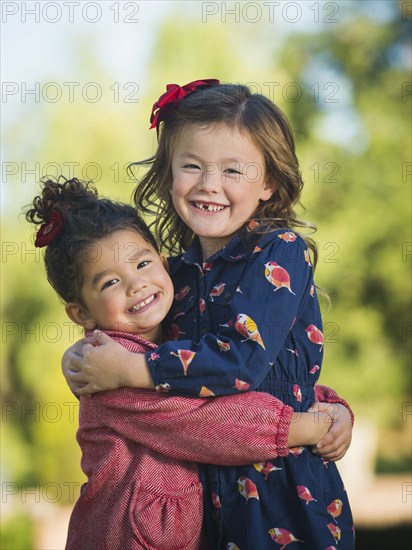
<point x="209" y="178"/>
<point x="135" y="284"/>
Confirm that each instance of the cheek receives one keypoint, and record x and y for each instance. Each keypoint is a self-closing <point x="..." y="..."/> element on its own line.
<point x="168" y="289"/>
<point x="108" y="304"/>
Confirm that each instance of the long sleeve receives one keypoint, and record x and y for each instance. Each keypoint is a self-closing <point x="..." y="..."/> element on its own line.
<point x="261" y="312"/>
<point x="233" y="430"/>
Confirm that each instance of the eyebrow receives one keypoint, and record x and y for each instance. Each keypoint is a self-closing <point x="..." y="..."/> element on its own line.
<point x="129" y="259"/>
<point x="186" y="154"/>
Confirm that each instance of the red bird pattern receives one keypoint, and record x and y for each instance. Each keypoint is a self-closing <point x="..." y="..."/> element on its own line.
<point x="277" y="276"/>
<point x="335" y="508"/>
<point x="315" y="335"/>
<point x="265" y="468"/>
<point x="248" y="328"/>
<point x="247" y="488"/>
<point x="282" y="536"/>
<point x="288" y="236"/>
<point x="304" y="494"/>
<point x="185" y="356"/>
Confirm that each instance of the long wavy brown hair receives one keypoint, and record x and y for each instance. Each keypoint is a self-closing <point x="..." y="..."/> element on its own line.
<point x="256" y="117"/>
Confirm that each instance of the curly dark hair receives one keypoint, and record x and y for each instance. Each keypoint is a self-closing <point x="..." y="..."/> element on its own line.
<point x="86" y="219"/>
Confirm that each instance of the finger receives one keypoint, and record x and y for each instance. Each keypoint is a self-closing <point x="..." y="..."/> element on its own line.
<point x="98" y="338"/>
<point x="332" y="457"/>
<point x="75" y="361"/>
<point x="77" y="378"/>
<point x="87" y="346"/>
<point x="326" y="441"/>
<point x="334" y="453"/>
<point x="77" y="346"/>
<point x="331" y="447"/>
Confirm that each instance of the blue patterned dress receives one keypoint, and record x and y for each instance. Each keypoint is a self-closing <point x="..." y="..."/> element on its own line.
<point x="248" y="318"/>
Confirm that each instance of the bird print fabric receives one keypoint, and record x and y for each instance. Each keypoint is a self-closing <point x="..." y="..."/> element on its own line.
<point x="251" y="321"/>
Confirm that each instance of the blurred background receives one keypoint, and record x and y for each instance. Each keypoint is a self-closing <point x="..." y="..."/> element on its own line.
<point x="78" y="83"/>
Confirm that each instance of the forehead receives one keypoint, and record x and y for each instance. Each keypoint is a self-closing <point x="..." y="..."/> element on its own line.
<point x="216" y="136"/>
<point x="120" y="247"/>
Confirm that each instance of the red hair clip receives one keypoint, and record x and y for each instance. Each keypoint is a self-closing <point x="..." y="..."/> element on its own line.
<point x="175" y="93"/>
<point x="49" y="230"/>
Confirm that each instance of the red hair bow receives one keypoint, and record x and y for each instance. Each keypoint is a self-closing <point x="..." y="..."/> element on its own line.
<point x="49" y="230"/>
<point x="175" y="93"/>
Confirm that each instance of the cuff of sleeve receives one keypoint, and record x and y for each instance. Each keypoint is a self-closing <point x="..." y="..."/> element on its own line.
<point x="327" y="395"/>
<point x="345" y="404"/>
<point x="151" y="359"/>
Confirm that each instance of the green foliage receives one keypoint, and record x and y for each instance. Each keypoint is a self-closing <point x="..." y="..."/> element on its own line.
<point x="17" y="532"/>
<point x="360" y="199"/>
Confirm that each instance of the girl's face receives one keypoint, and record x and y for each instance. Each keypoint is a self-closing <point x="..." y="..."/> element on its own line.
<point x="126" y="287"/>
<point x="218" y="181"/>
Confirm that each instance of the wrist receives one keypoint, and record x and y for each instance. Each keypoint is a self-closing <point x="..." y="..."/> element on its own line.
<point x="135" y="372"/>
<point x="308" y="428"/>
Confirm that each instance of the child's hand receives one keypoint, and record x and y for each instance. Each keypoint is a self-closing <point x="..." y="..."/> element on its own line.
<point x="73" y="352"/>
<point x="335" y="443"/>
<point x="94" y="364"/>
<point x="103" y="364"/>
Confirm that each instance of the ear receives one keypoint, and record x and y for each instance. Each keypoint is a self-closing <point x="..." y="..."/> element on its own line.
<point x="79" y="315"/>
<point x="165" y="262"/>
<point x="267" y="191"/>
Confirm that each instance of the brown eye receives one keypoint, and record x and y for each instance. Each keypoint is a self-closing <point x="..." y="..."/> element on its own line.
<point x="109" y="283"/>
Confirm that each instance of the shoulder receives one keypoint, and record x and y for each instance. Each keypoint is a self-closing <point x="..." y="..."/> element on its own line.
<point x="283" y="245"/>
<point x="174" y="263"/>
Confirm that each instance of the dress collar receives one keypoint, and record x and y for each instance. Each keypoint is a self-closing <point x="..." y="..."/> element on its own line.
<point x="236" y="250"/>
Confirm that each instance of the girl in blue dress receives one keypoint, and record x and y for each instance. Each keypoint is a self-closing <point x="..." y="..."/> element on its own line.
<point x="222" y="186"/>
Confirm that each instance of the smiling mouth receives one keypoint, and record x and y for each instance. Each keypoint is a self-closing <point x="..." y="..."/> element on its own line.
<point x="141" y="305"/>
<point x="208" y="207"/>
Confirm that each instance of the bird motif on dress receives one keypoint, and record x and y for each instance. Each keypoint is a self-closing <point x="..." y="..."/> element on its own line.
<point x="304" y="494"/>
<point x="182" y="293"/>
<point x="307" y="257"/>
<point x="297" y="393"/>
<point x="185" y="356"/>
<point x="314" y="369"/>
<point x="247" y="327"/>
<point x="217" y="290"/>
<point x="247" y="488"/>
<point x="174" y="331"/>
<point x="205" y="392"/>
<point x="241" y="385"/>
<point x="335" y="531"/>
<point x="223" y="346"/>
<point x="288" y="236"/>
<point x="335" y="508"/>
<point x="296" y="451"/>
<point x="277" y="276"/>
<point x="216" y="501"/>
<point x="315" y="335"/>
<point x="282" y="536"/>
<point x="265" y="468"/>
